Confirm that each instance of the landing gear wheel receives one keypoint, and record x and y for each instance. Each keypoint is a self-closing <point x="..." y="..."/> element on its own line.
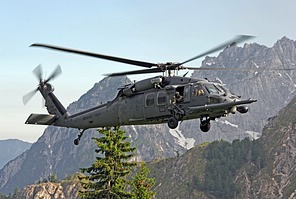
<point x="205" y="125"/>
<point x="172" y="123"/>
<point x="76" y="141"/>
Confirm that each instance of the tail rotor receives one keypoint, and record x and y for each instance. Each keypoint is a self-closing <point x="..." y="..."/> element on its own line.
<point x="38" y="73"/>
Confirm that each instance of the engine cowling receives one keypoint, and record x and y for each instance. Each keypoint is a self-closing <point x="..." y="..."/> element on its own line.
<point x="142" y="85"/>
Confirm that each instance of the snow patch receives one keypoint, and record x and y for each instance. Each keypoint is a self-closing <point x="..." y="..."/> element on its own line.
<point x="186" y="143"/>
<point x="136" y="132"/>
<point x="230" y="124"/>
<point x="253" y="134"/>
<point x="255" y="65"/>
<point x="210" y="63"/>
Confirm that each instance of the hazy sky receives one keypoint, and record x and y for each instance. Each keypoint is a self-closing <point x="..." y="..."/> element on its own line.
<point x="153" y="31"/>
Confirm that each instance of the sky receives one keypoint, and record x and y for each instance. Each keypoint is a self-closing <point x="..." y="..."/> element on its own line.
<point x="152" y="31"/>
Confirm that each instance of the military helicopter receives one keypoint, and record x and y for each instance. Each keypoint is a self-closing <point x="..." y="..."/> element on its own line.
<point x="167" y="98"/>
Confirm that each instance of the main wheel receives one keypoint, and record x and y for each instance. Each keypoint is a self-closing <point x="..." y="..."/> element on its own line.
<point x="172" y="123"/>
<point x="205" y="126"/>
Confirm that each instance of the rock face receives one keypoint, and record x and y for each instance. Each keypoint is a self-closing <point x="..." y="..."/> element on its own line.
<point x="10" y="149"/>
<point x="277" y="179"/>
<point x="49" y="190"/>
<point x="55" y="153"/>
<point x="272" y="89"/>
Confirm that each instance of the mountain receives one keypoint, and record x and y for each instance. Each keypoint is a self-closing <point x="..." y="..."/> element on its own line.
<point x="266" y="169"/>
<point x="272" y="89"/>
<point x="10" y="149"/>
<point x="55" y="153"/>
<point x="277" y="179"/>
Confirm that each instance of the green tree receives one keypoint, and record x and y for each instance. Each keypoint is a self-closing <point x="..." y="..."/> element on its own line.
<point x="3" y="196"/>
<point x="106" y="178"/>
<point x="223" y="161"/>
<point x="142" y="185"/>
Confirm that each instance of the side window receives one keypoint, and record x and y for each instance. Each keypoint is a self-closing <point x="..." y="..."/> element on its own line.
<point x="187" y="93"/>
<point x="150" y="99"/>
<point x="161" y="98"/>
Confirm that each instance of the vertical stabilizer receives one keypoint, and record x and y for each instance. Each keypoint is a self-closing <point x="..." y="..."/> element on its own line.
<point x="53" y="105"/>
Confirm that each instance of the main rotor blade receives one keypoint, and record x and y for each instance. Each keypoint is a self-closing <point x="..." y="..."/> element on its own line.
<point x="239" y="69"/>
<point x="100" y="56"/>
<point x="54" y="74"/>
<point x="134" y="72"/>
<point x="38" y="72"/>
<point x="26" y="98"/>
<point x="238" y="39"/>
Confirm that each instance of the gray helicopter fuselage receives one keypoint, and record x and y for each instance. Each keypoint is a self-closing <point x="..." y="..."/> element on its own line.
<point x="153" y="101"/>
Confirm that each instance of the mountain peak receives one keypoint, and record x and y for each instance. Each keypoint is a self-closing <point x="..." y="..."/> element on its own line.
<point x="285" y="41"/>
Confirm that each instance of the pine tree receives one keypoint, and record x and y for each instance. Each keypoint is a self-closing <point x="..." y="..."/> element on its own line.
<point x="106" y="178"/>
<point x="141" y="184"/>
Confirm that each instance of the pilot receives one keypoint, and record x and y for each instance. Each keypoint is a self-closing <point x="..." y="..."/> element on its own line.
<point x="198" y="91"/>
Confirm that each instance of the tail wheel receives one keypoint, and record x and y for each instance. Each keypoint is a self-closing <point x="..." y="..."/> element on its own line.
<point x="172" y="123"/>
<point x="76" y="141"/>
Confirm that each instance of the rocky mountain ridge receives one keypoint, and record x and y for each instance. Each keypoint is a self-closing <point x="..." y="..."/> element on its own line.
<point x="272" y="89"/>
<point x="54" y="152"/>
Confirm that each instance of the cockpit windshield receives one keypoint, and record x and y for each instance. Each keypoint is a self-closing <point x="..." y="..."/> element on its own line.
<point x="213" y="89"/>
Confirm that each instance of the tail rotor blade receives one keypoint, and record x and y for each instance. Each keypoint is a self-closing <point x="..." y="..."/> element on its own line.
<point x="54" y="74"/>
<point x="38" y="72"/>
<point x="27" y="97"/>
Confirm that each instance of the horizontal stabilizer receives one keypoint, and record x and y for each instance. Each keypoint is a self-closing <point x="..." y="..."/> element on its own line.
<point x="42" y="119"/>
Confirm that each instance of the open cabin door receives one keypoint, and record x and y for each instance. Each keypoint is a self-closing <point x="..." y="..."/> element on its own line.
<point x="185" y="92"/>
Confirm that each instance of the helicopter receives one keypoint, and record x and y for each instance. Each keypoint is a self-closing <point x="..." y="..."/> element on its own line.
<point x="167" y="98"/>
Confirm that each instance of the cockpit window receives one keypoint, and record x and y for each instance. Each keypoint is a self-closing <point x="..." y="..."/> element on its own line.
<point x="211" y="88"/>
<point x="223" y="90"/>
